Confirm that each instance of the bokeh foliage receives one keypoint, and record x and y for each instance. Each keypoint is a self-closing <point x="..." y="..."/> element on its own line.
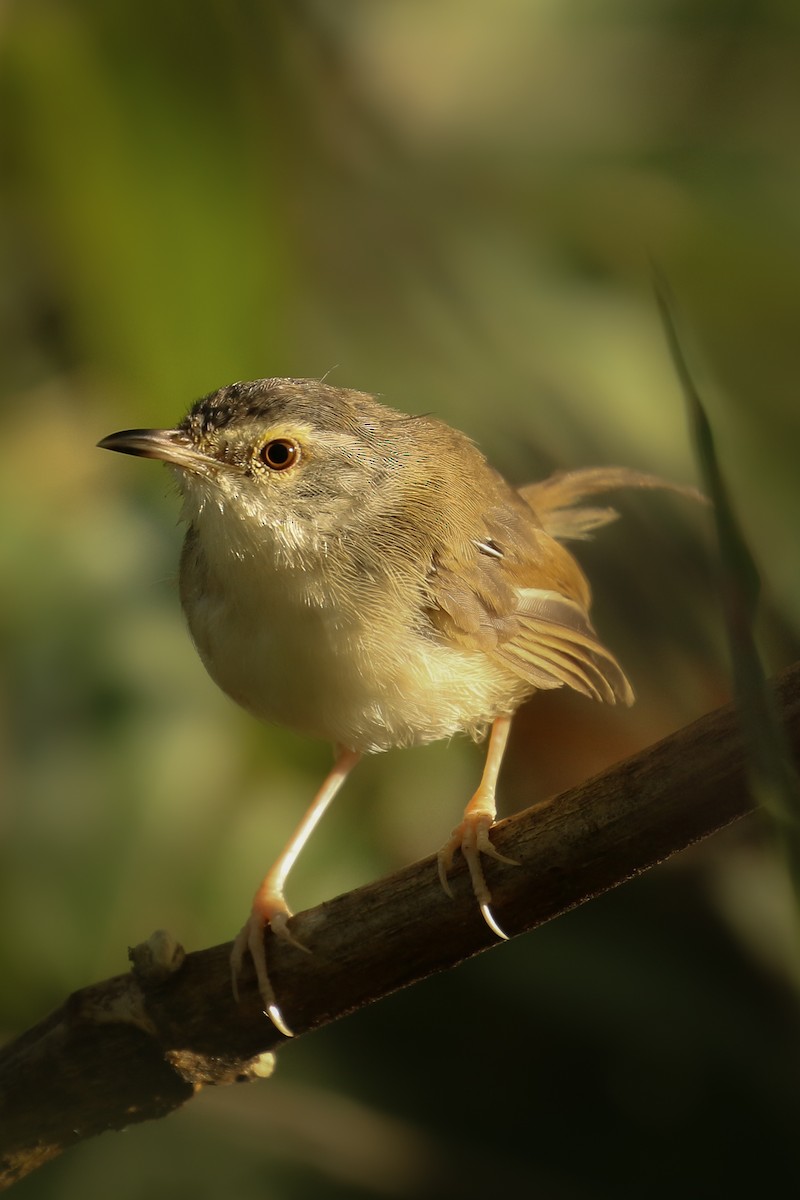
<point x="452" y="204"/>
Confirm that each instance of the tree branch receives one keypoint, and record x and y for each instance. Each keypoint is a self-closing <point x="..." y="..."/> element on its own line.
<point x="138" y="1046"/>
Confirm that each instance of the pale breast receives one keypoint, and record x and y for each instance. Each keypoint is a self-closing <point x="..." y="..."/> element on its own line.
<point x="282" y="646"/>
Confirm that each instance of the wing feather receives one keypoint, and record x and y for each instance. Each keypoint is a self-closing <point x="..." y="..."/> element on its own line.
<point x="555" y="635"/>
<point x="516" y="594"/>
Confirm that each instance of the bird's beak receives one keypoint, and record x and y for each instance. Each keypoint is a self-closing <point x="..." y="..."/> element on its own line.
<point x="170" y="445"/>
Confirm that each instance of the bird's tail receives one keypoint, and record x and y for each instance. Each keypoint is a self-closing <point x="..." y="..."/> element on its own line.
<point x="556" y="500"/>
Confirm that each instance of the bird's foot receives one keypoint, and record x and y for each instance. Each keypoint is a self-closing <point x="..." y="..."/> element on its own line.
<point x="471" y="837"/>
<point x="268" y="910"/>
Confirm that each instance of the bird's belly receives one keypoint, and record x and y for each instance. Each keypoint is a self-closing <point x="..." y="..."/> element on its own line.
<point x="325" y="672"/>
<point x="279" y="669"/>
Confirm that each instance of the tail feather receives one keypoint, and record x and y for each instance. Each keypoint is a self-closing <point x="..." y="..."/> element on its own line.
<point x="556" y="500"/>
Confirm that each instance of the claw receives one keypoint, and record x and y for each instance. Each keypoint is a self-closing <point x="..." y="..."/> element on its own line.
<point x="471" y="837"/>
<point x="488" y="917"/>
<point x="279" y="924"/>
<point x="250" y="940"/>
<point x="269" y="906"/>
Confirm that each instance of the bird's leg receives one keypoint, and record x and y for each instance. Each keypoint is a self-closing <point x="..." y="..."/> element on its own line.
<point x="269" y="905"/>
<point x="471" y="837"/>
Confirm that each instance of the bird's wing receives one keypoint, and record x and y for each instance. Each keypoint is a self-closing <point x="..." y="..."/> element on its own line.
<point x="519" y="596"/>
<point x="554" y="636"/>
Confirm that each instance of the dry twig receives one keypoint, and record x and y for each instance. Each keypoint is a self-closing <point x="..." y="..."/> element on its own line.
<point x="137" y="1046"/>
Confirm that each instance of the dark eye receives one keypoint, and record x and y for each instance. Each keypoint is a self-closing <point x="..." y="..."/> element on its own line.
<point x="279" y="454"/>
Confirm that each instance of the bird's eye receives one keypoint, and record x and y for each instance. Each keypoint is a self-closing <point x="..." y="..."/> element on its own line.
<point x="279" y="454"/>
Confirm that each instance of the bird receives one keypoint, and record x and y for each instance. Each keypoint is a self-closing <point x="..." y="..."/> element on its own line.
<point x="365" y="576"/>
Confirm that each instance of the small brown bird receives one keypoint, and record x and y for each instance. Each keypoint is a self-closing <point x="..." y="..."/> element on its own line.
<point x="365" y="576"/>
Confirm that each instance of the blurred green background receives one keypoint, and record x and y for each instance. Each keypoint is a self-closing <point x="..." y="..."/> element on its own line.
<point x="452" y="204"/>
